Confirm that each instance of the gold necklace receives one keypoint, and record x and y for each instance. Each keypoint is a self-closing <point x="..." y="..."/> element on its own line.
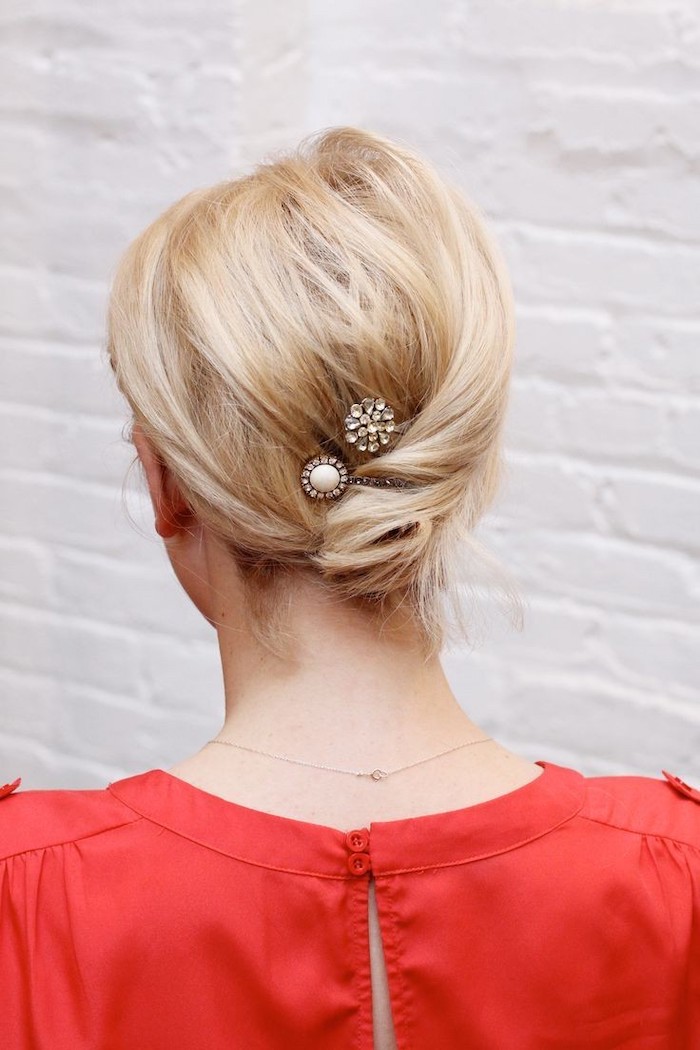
<point x="375" y="774"/>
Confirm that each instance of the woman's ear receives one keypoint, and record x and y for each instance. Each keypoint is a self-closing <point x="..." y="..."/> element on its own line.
<point x="172" y="513"/>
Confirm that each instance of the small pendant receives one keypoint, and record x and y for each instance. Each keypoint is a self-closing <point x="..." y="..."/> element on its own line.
<point x="377" y="774"/>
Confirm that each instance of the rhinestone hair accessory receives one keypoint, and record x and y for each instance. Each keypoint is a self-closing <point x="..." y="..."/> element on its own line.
<point x="369" y="426"/>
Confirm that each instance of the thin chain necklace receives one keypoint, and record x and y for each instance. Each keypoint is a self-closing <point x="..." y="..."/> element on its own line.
<point x="375" y="774"/>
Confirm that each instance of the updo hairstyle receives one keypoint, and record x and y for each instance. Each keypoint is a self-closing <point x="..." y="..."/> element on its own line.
<point x="247" y="318"/>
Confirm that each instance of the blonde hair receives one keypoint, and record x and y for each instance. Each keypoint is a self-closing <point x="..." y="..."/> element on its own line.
<point x="247" y="318"/>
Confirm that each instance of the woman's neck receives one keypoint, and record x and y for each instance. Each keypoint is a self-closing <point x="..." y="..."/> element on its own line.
<point x="353" y="701"/>
<point x="348" y="695"/>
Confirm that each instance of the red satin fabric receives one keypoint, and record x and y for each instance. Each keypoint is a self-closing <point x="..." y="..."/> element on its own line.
<point x="152" y="915"/>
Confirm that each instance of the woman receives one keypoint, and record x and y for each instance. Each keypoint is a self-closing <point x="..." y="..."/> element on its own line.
<point x="316" y="357"/>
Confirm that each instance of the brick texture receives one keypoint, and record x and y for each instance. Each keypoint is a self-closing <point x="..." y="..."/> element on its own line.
<point x="575" y="125"/>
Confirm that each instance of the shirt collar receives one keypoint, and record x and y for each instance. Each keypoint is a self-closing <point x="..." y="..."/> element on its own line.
<point x="413" y="843"/>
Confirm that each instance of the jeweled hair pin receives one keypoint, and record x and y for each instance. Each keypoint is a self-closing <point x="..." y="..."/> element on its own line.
<point x="369" y="426"/>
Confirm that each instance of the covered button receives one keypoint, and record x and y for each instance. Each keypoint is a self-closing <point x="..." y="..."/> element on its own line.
<point x="357" y="840"/>
<point x="358" y="863"/>
<point x="681" y="786"/>
<point x="7" y="789"/>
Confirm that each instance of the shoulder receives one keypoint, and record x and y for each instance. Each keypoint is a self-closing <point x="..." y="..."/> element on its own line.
<point x="665" y="806"/>
<point x="37" y="819"/>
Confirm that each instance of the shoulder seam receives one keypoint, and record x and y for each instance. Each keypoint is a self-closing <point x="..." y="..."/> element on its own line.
<point x="66" y="842"/>
<point x="643" y="832"/>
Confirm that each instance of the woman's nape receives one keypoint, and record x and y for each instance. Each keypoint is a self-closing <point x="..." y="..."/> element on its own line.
<point x="347" y="696"/>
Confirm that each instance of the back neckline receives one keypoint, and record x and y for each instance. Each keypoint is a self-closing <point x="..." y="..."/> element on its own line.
<point x="458" y="836"/>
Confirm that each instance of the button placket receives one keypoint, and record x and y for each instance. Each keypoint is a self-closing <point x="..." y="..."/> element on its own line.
<point x="357" y="842"/>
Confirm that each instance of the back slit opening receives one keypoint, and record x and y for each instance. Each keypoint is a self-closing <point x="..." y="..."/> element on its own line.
<point x="382" y="1020"/>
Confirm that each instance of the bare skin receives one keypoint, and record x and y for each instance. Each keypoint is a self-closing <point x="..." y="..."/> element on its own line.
<point x="350" y="699"/>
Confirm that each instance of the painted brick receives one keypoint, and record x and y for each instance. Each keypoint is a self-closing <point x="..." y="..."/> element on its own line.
<point x="574" y="126"/>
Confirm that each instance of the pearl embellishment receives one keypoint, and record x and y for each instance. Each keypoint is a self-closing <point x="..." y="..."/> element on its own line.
<point x="325" y="477"/>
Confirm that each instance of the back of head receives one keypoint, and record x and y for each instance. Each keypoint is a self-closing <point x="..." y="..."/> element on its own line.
<point x="250" y="315"/>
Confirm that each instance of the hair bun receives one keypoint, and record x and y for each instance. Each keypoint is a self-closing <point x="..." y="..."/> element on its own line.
<point x="346" y="265"/>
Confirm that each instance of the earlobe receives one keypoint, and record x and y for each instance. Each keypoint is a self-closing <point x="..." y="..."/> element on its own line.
<point x="173" y="513"/>
<point x="165" y="528"/>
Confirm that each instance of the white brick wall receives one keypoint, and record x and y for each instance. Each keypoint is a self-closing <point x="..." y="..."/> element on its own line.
<point x="576" y="126"/>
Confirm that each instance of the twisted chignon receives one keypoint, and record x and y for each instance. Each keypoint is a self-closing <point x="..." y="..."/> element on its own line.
<point x="246" y="319"/>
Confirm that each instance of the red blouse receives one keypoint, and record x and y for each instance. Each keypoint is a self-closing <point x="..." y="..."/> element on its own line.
<point x="152" y="915"/>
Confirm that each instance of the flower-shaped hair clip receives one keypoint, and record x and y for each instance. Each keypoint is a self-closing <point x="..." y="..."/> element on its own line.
<point x="369" y="425"/>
